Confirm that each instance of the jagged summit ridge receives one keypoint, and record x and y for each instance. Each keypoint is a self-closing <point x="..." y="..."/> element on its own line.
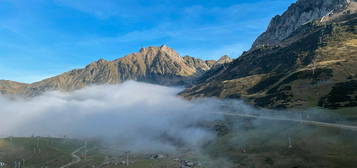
<point x="298" y="14"/>
<point x="158" y="65"/>
<point x="224" y="59"/>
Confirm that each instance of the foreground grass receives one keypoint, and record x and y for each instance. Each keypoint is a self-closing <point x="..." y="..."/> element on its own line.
<point x="37" y="152"/>
<point x="266" y="144"/>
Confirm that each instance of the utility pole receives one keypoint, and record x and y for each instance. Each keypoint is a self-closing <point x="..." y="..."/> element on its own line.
<point x="17" y="164"/>
<point x="11" y="140"/>
<point x="38" y="145"/>
<point x="301" y="117"/>
<point x="290" y="144"/>
<point x="85" y="150"/>
<point x="64" y="139"/>
<point x="127" y="159"/>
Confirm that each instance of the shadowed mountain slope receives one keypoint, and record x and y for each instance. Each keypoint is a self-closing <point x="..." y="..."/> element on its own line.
<point x="315" y="64"/>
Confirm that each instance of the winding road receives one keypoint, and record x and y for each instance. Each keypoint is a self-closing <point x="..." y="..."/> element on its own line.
<point x="307" y="122"/>
<point x="76" y="159"/>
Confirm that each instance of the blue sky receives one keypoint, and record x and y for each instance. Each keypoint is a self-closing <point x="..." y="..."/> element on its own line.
<point x="43" y="38"/>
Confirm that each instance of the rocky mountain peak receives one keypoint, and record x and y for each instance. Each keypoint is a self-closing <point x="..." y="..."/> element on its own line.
<point x="164" y="47"/>
<point x="224" y="59"/>
<point x="159" y="65"/>
<point x="101" y="61"/>
<point x="169" y="51"/>
<point x="298" y="14"/>
<point x="163" y="50"/>
<point x="160" y="58"/>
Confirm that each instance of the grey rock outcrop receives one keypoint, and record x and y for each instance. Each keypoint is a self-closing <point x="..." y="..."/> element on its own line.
<point x="298" y="14"/>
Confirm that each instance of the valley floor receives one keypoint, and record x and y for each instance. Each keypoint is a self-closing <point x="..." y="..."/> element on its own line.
<point x="242" y="142"/>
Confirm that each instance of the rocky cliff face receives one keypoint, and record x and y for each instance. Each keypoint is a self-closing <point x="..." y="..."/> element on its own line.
<point x="159" y="65"/>
<point x="313" y="65"/>
<point x="199" y="64"/>
<point x="221" y="64"/>
<point x="298" y="14"/>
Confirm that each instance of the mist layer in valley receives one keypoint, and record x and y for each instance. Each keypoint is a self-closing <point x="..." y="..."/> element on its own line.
<point x="131" y="112"/>
<point x="146" y="118"/>
<point x="136" y="115"/>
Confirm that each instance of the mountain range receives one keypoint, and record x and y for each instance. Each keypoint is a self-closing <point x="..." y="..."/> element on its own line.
<point x="307" y="57"/>
<point x="158" y="65"/>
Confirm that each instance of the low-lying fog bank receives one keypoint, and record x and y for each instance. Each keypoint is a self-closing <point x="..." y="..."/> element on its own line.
<point x="136" y="116"/>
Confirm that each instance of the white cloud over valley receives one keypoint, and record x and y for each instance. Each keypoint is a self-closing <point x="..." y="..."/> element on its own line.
<point x="136" y="115"/>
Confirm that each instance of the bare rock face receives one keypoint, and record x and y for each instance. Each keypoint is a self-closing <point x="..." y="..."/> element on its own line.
<point x="298" y="14"/>
<point x="158" y="65"/>
<point x="199" y="64"/>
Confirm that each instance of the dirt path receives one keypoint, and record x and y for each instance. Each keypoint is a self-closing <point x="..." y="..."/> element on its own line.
<point x="76" y="159"/>
<point x="307" y="122"/>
